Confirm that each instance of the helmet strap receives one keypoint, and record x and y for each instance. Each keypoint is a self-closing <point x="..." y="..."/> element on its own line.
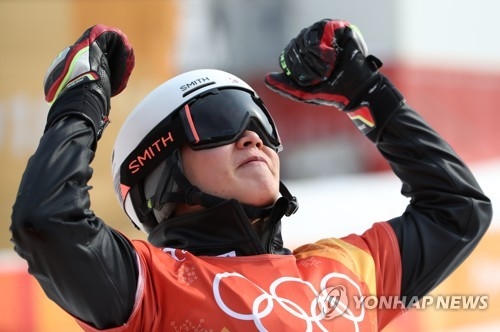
<point x="192" y="195"/>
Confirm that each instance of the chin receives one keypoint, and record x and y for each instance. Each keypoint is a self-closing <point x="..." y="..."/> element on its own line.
<point x="260" y="201"/>
<point x="257" y="193"/>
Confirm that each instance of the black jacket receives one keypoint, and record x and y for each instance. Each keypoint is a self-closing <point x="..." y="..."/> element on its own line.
<point x="90" y="269"/>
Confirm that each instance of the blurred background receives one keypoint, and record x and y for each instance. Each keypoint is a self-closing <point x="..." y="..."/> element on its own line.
<point x="443" y="55"/>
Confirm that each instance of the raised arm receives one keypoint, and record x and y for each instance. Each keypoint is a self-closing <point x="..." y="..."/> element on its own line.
<point x="84" y="266"/>
<point x="328" y="64"/>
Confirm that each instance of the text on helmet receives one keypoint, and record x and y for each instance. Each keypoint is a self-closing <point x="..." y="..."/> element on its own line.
<point x="195" y="83"/>
<point x="150" y="152"/>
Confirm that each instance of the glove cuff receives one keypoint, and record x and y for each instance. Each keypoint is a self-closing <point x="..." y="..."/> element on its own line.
<point x="379" y="104"/>
<point x="86" y="101"/>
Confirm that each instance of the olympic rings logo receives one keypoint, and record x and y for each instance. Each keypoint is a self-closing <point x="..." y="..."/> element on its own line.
<point x="320" y="307"/>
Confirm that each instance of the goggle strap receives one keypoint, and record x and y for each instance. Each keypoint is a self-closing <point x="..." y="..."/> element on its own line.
<point x="151" y="153"/>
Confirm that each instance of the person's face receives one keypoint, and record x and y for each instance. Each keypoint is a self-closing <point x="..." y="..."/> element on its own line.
<point x="245" y="170"/>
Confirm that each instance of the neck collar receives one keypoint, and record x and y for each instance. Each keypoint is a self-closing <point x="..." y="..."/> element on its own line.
<point x="223" y="228"/>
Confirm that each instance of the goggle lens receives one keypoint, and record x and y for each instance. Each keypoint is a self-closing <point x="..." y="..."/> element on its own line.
<point x="220" y="117"/>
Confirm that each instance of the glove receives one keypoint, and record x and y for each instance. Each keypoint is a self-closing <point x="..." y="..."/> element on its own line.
<point x="327" y="64"/>
<point x="100" y="62"/>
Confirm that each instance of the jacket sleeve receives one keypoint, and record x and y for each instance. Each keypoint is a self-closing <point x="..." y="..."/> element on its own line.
<point x="448" y="212"/>
<point x="84" y="266"/>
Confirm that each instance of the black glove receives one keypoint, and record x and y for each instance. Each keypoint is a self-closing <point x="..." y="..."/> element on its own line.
<point x="100" y="62"/>
<point x="327" y="64"/>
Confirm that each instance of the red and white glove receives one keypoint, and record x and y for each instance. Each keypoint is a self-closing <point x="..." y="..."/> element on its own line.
<point x="100" y="61"/>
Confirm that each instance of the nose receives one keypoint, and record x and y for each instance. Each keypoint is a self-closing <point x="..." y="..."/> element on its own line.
<point x="249" y="139"/>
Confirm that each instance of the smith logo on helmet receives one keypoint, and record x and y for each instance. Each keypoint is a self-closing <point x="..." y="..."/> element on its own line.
<point x="150" y="152"/>
<point x="197" y="84"/>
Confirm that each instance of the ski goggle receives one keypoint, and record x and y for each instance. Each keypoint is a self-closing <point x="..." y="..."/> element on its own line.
<point x="214" y="118"/>
<point x="219" y="117"/>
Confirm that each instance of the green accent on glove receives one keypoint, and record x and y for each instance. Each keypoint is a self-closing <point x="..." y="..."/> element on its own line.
<point x="283" y="65"/>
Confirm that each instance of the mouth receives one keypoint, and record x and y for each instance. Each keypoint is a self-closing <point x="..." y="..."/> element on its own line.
<point x="253" y="159"/>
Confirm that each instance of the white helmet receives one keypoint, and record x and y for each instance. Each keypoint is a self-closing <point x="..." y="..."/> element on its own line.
<point x="171" y="115"/>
